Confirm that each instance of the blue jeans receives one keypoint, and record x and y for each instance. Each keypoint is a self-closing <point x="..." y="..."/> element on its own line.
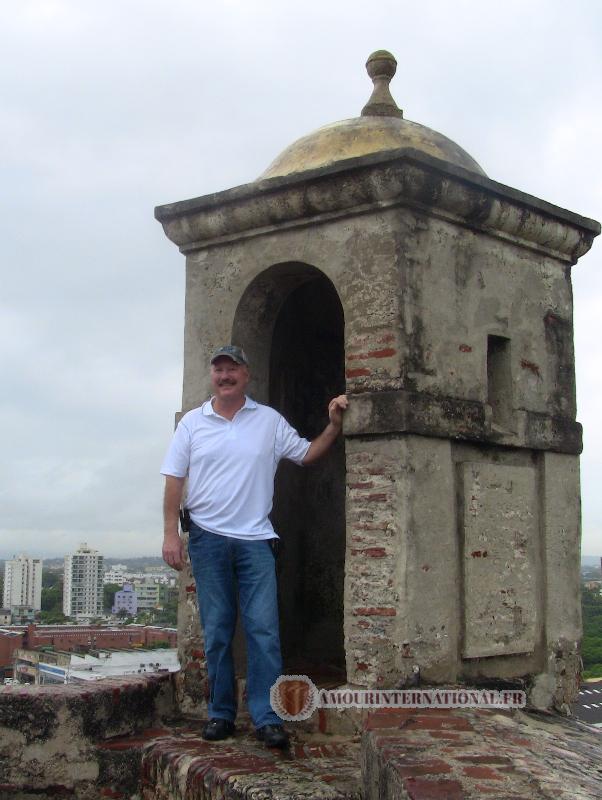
<point x="224" y="567"/>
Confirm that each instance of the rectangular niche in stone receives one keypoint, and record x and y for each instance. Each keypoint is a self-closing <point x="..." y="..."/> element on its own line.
<point x="499" y="519"/>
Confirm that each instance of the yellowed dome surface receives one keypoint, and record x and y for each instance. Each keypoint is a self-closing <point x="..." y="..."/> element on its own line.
<point x="362" y="136"/>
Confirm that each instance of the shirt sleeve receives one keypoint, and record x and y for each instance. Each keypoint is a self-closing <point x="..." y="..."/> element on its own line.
<point x="177" y="458"/>
<point x="289" y="444"/>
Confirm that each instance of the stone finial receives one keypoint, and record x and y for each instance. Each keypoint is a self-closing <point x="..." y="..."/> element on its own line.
<point x="381" y="66"/>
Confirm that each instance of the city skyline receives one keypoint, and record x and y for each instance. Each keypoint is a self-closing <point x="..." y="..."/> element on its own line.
<point x="92" y="307"/>
<point x="112" y="560"/>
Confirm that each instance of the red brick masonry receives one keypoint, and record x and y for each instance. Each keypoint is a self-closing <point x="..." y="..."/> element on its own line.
<point x="460" y="754"/>
<point x="416" y="755"/>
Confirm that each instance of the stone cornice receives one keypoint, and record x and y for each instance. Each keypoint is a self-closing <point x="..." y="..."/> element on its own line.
<point x="403" y="177"/>
<point x="384" y="413"/>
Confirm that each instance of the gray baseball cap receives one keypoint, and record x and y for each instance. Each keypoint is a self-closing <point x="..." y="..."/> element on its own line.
<point x="231" y="351"/>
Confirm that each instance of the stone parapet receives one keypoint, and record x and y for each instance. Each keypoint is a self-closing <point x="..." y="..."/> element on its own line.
<point x="413" y="753"/>
<point x="464" y="754"/>
<point x="58" y="743"/>
<point x="51" y="737"/>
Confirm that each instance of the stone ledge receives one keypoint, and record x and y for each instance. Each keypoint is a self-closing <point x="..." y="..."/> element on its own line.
<point x="465" y="754"/>
<point x="399" y="411"/>
<point x="184" y="767"/>
<point x="49" y="734"/>
<point x="404" y="753"/>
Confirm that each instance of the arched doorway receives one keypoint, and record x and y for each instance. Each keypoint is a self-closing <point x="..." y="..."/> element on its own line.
<point x="291" y="322"/>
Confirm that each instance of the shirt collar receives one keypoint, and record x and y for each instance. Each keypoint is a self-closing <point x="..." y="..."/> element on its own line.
<point x="207" y="407"/>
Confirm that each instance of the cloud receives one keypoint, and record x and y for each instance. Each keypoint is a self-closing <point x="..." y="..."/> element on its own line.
<point x="110" y="109"/>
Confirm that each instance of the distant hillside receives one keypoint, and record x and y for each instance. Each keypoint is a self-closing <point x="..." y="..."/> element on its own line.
<point x="138" y="564"/>
<point x="133" y="564"/>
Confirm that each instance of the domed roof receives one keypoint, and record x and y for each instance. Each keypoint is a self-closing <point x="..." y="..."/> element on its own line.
<point x="381" y="127"/>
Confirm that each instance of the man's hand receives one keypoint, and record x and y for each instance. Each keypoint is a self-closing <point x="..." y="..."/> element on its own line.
<point x="336" y="407"/>
<point x="173" y="550"/>
<point x="324" y="441"/>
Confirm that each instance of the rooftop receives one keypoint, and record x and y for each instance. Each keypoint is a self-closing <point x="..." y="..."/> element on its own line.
<point x="379" y="128"/>
<point x="122" y="739"/>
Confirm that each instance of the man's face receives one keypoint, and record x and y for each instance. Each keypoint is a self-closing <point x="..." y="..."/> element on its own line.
<point x="228" y="379"/>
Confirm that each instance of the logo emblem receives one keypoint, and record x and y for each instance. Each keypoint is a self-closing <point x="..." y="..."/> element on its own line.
<point x="294" y="697"/>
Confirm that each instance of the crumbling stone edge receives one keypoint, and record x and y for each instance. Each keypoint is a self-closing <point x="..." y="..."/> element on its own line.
<point x="53" y="738"/>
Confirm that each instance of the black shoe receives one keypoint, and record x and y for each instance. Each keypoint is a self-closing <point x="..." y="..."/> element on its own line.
<point x="217" y="729"/>
<point x="273" y="736"/>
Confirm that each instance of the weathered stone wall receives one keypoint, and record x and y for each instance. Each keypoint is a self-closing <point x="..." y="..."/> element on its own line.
<point x="51" y="737"/>
<point x="422" y="299"/>
<point x="370" y="296"/>
<point x="191" y="681"/>
<point x="375" y="571"/>
<point x="462" y="561"/>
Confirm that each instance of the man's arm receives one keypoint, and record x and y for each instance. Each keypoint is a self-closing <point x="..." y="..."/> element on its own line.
<point x="173" y="553"/>
<point x="322" y="443"/>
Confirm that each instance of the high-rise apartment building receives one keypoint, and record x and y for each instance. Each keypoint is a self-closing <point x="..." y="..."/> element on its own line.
<point x="23" y="583"/>
<point x="82" y="592"/>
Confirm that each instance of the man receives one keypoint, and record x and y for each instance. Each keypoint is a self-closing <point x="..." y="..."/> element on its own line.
<point x="229" y="449"/>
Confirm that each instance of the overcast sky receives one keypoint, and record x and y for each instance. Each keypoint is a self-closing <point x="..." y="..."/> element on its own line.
<point x="110" y="108"/>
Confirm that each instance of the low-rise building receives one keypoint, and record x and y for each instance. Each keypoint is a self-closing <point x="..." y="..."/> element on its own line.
<point x="147" y="595"/>
<point x="126" y="600"/>
<point x="82" y="638"/>
<point x="10" y="641"/>
<point x="22" y="615"/>
<point x="42" y="667"/>
<point x="117" y="567"/>
<point x="114" y="576"/>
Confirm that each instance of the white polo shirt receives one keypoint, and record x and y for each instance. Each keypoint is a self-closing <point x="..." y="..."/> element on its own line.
<point x="231" y="466"/>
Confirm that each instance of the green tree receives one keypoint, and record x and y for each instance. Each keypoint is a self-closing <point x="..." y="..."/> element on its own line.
<point x="108" y="595"/>
<point x="145" y="617"/>
<point x="168" y="615"/>
<point x="53" y="617"/>
<point x="50" y="578"/>
<point x="52" y="599"/>
<point x="591" y="647"/>
<point x="164" y="645"/>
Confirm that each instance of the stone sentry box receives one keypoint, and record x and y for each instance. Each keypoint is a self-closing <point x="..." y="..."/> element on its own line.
<point x="441" y="537"/>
